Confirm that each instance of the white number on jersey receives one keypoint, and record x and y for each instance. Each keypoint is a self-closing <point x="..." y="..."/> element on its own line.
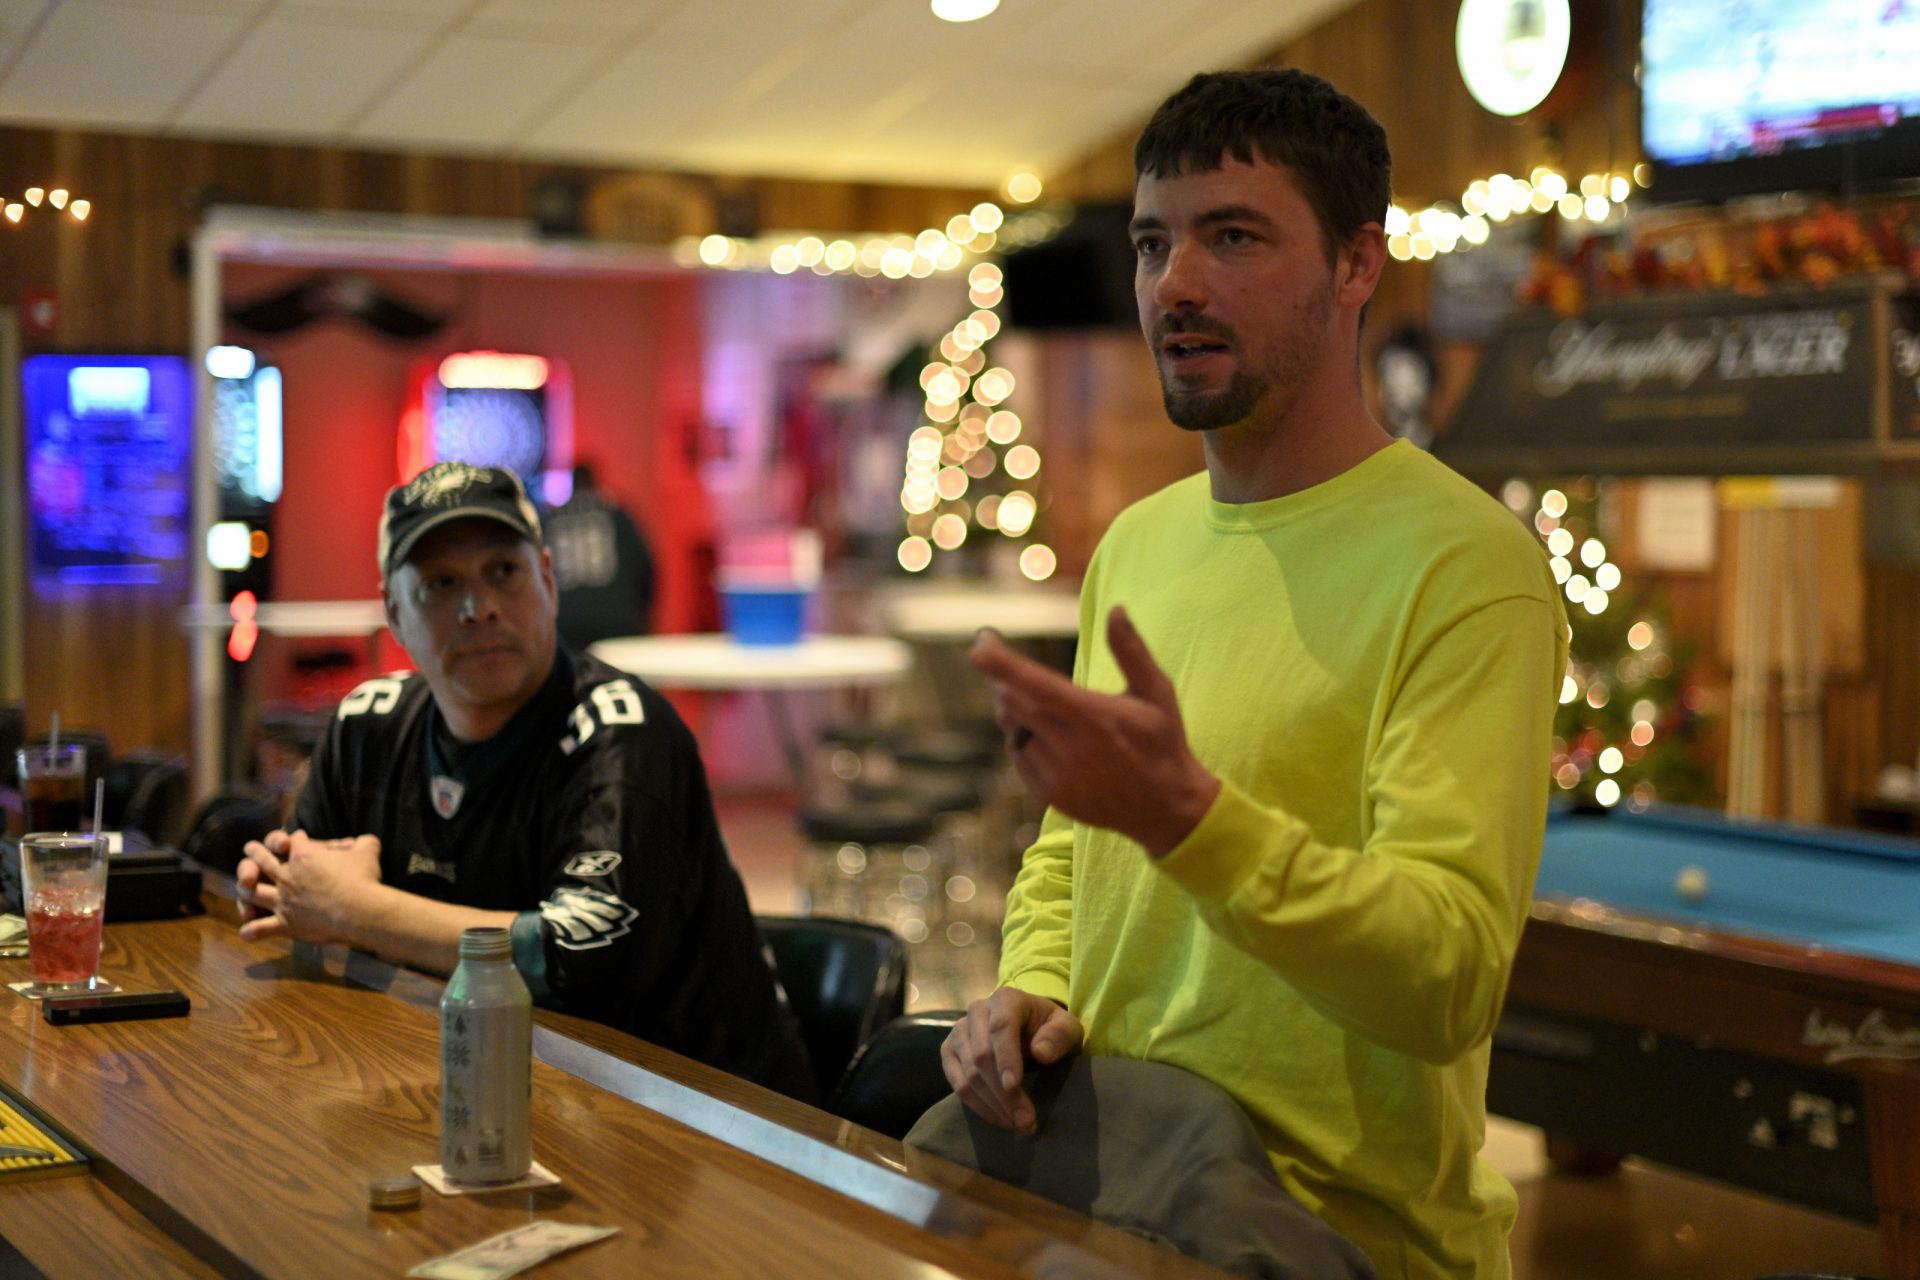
<point x="375" y="696"/>
<point x="618" y="703"/>
<point x="615" y="702"/>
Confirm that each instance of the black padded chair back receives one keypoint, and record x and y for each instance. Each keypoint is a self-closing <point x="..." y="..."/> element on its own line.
<point x="147" y="792"/>
<point x="845" y="979"/>
<point x="13" y="732"/>
<point x="896" y="1075"/>
<point x="237" y="813"/>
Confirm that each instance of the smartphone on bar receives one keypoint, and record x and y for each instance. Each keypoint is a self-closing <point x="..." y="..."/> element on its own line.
<point x="114" y="1006"/>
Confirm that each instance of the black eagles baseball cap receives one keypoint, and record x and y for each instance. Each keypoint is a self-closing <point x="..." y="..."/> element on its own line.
<point x="449" y="491"/>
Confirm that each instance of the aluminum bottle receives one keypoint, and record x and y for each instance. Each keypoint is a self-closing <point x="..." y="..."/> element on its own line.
<point x="486" y="1064"/>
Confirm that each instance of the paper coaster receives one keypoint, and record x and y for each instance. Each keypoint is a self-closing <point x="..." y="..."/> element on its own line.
<point x="28" y="991"/>
<point x="538" y="1175"/>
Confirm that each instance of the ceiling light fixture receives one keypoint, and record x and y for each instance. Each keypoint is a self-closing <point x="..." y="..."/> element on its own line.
<point x="963" y="10"/>
<point x="1511" y="52"/>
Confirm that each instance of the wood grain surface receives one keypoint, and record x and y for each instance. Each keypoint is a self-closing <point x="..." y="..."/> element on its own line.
<point x="75" y="1225"/>
<point x="246" y="1134"/>
<point x="1748" y="995"/>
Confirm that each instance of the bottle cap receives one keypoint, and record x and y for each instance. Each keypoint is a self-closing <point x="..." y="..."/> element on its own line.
<point x="486" y="943"/>
<point x="402" y="1192"/>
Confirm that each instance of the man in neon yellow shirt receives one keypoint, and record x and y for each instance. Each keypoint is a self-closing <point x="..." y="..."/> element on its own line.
<point x="1289" y="849"/>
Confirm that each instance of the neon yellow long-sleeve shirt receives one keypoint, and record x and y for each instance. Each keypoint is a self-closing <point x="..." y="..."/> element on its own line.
<point x="1371" y="667"/>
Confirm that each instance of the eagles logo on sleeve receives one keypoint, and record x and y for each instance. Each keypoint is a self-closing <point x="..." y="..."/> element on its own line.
<point x="583" y="919"/>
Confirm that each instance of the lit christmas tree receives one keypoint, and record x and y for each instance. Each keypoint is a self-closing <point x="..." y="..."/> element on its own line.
<point x="1629" y="725"/>
<point x="968" y="474"/>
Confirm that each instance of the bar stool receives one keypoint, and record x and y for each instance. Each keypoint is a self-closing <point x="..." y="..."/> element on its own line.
<point x="956" y="866"/>
<point x="986" y="845"/>
<point x="861" y="853"/>
<point x="887" y="860"/>
<point x="851" y="746"/>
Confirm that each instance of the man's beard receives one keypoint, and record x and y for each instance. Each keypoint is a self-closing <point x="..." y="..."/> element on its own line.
<point x="1273" y="386"/>
<point x="1208" y="410"/>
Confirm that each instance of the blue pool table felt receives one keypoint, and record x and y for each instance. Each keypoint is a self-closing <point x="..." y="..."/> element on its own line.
<point x="1843" y="890"/>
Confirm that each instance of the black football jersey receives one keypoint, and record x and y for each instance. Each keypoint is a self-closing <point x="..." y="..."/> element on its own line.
<point x="588" y="813"/>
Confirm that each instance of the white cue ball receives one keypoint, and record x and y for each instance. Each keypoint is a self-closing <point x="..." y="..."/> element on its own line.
<point x="1690" y="885"/>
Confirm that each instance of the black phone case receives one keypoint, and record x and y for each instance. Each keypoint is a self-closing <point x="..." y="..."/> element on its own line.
<point x="124" y="1006"/>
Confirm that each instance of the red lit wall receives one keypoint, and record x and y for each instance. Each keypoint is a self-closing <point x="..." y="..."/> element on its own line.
<point x="634" y="349"/>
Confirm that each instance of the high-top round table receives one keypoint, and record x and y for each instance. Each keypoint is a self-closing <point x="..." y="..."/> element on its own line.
<point x="942" y="613"/>
<point x="719" y="662"/>
<point x="941" y="620"/>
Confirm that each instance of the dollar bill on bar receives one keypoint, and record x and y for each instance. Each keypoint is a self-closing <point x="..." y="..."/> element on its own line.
<point x="510" y="1252"/>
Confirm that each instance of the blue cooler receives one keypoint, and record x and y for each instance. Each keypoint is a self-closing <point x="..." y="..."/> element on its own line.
<point x="765" y="614"/>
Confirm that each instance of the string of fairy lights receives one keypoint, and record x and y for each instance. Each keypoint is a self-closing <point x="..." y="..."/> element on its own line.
<point x="1441" y="228"/>
<point x="56" y="199"/>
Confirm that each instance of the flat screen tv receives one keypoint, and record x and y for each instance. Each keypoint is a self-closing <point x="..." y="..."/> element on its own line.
<point x="1739" y="97"/>
<point x="1082" y="278"/>
<point x="108" y="449"/>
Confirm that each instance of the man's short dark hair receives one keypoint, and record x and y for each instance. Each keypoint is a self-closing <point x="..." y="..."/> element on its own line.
<point x="1335" y="149"/>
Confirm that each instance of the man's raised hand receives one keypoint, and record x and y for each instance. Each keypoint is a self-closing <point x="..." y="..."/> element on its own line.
<point x="1119" y="761"/>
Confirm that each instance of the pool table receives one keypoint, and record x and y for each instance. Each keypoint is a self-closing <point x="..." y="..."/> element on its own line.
<point x="1762" y="1027"/>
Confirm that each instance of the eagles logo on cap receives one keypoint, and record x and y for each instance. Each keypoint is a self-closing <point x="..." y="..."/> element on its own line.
<point x="437" y="486"/>
<point x="450" y="491"/>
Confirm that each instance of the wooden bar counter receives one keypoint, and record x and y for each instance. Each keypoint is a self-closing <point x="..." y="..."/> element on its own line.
<point x="239" y="1141"/>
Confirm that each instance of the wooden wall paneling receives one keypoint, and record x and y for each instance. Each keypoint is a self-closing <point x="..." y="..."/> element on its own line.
<point x="1396" y="56"/>
<point x="1896" y="1172"/>
<point x="1893" y="641"/>
<point x="103" y="657"/>
<point x="1852" y="745"/>
<point x="1108" y="441"/>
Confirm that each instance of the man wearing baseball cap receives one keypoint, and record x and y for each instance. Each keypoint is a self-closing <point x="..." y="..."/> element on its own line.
<point x="513" y="783"/>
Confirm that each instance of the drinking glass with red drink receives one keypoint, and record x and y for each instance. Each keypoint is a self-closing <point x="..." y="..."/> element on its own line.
<point x="53" y="782"/>
<point x="64" y="876"/>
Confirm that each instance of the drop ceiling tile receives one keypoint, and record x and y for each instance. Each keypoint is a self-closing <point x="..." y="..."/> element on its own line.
<point x="1090" y="40"/>
<point x="293" y="78"/>
<point x="246" y="7"/>
<point x="17" y="18"/>
<point x="417" y="8"/>
<point x="346" y="13"/>
<point x="850" y="89"/>
<point x="609" y="16"/>
<point x="650" y="93"/>
<point x="97" y="63"/>
<point x="865" y="68"/>
<point x="1018" y="121"/>
<point x="1253" y="29"/>
<point x="905" y="34"/>
<point x="821" y="91"/>
<point x="716" y="27"/>
<point x="474" y="92"/>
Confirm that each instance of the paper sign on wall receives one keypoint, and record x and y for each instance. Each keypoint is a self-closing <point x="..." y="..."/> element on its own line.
<point x="1676" y="524"/>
